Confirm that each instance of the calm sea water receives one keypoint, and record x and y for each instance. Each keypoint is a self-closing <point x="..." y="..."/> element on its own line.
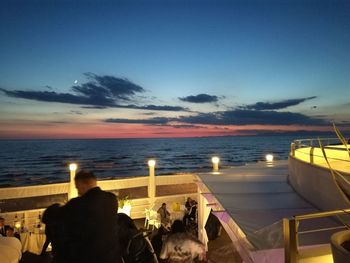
<point x="30" y="162"/>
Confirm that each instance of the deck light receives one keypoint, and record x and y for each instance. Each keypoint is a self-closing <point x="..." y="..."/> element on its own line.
<point x="152" y="163"/>
<point x="152" y="181"/>
<point x="269" y="157"/>
<point x="73" y="167"/>
<point x="17" y="224"/>
<point x="72" y="190"/>
<point x="215" y="160"/>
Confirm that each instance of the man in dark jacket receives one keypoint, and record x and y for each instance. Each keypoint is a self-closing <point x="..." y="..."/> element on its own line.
<point x="88" y="221"/>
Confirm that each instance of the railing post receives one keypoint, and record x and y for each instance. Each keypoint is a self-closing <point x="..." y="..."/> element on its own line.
<point x="290" y="240"/>
<point x="312" y="155"/>
<point x="151" y="182"/>
<point x="215" y="160"/>
<point x="292" y="149"/>
<point x="72" y="190"/>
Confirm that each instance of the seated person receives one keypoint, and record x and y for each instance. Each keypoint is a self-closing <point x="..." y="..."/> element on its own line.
<point x="10" y="232"/>
<point x="164" y="216"/>
<point x="157" y="240"/>
<point x="188" y="203"/>
<point x="131" y="243"/>
<point x="53" y="220"/>
<point x="180" y="246"/>
<point x="191" y="207"/>
<point x="3" y="227"/>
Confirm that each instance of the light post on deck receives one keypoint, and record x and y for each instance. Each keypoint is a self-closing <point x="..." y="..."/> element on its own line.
<point x="269" y="160"/>
<point x="152" y="181"/>
<point x="215" y="160"/>
<point x="72" y="190"/>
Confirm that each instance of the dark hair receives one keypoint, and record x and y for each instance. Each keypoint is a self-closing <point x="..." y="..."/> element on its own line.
<point x="161" y="230"/>
<point x="84" y="175"/>
<point x="177" y="227"/>
<point x="163" y="204"/>
<point x="51" y="214"/>
<point x="125" y="221"/>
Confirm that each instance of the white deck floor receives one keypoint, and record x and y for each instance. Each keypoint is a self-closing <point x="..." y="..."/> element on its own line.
<point x="258" y="197"/>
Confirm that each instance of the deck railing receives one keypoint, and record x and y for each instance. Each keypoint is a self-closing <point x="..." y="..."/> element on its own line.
<point x="309" y="151"/>
<point x="30" y="216"/>
<point x="291" y="231"/>
<point x="27" y="203"/>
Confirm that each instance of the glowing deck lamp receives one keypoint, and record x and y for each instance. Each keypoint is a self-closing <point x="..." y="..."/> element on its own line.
<point x="152" y="181"/>
<point x="215" y="160"/>
<point x="151" y="163"/>
<point x="269" y="158"/>
<point x="18" y="225"/>
<point x="73" y="167"/>
<point x="72" y="191"/>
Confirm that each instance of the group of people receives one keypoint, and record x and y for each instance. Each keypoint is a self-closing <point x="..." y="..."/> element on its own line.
<point x="7" y="230"/>
<point x="89" y="229"/>
<point x="189" y="216"/>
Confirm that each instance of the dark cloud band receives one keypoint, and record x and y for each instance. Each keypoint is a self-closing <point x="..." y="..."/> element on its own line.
<point x="200" y="98"/>
<point x="276" y="105"/>
<point x="99" y="92"/>
<point x="235" y="117"/>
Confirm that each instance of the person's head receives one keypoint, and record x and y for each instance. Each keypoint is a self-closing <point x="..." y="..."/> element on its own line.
<point x="2" y="221"/>
<point x="125" y="221"/>
<point x="10" y="232"/>
<point x="189" y="199"/>
<point x="51" y="214"/>
<point x="124" y="226"/>
<point x="164" y="205"/>
<point x="177" y="227"/>
<point x="84" y="181"/>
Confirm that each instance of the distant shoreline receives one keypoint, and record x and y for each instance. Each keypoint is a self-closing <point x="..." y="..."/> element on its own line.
<point x="277" y="133"/>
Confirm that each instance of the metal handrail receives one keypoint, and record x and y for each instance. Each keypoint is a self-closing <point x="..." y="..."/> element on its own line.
<point x="290" y="231"/>
<point x="309" y="142"/>
<point x="299" y="144"/>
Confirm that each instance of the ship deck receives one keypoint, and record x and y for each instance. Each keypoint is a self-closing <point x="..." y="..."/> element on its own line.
<point x="219" y="250"/>
<point x="257" y="197"/>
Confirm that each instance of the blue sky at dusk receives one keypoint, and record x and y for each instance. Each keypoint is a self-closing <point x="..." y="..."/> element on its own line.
<point x="116" y="69"/>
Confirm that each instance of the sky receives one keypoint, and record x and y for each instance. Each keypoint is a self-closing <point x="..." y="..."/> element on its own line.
<point x="145" y="69"/>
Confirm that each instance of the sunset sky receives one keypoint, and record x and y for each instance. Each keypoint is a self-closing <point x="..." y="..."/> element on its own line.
<point x="128" y="69"/>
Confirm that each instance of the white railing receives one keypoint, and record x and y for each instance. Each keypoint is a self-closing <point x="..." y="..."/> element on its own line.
<point x="30" y="217"/>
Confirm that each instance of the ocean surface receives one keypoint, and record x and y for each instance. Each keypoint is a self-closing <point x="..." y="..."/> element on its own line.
<point x="32" y="162"/>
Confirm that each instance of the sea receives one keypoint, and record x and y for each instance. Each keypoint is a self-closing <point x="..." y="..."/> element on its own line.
<point x="35" y="162"/>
